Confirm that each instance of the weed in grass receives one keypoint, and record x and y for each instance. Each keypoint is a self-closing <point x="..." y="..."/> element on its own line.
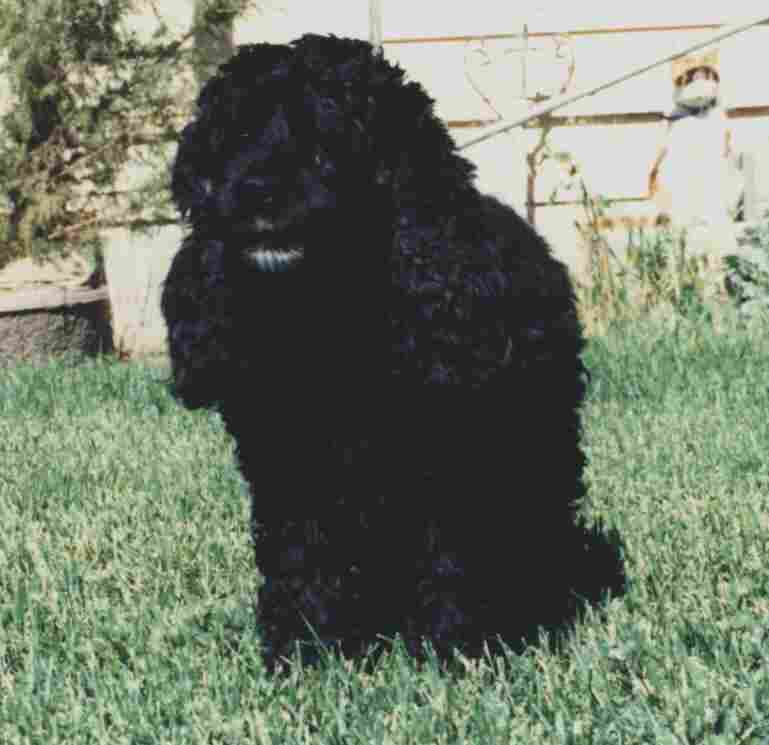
<point x="657" y="276"/>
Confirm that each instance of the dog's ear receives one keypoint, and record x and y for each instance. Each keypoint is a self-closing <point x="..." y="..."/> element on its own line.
<point x="197" y="306"/>
<point x="190" y="184"/>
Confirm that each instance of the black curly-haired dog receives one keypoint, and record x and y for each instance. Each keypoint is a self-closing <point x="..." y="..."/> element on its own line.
<point x="396" y="355"/>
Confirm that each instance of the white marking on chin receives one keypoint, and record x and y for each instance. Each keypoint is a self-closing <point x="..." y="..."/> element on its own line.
<point x="273" y="261"/>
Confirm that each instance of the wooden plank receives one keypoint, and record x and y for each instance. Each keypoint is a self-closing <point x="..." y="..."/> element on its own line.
<point x="642" y="117"/>
<point x="747" y="112"/>
<point x="571" y="202"/>
<point x="47" y="298"/>
<point x="602" y="120"/>
<point x="547" y="34"/>
<point x="469" y="123"/>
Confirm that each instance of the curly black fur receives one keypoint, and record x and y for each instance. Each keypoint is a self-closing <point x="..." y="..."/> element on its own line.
<point x="396" y="355"/>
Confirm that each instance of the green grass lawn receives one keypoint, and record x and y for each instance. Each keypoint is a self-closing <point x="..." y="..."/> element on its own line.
<point x="127" y="579"/>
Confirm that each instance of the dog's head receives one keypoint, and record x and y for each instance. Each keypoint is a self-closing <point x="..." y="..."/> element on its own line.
<point x="318" y="130"/>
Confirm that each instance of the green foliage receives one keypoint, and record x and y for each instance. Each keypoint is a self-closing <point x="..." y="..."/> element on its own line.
<point x="748" y="272"/>
<point x="127" y="576"/>
<point x="89" y="99"/>
<point x="659" y="263"/>
<point x="656" y="274"/>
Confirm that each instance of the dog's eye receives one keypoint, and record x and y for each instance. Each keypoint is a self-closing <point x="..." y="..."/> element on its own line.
<point x="259" y="188"/>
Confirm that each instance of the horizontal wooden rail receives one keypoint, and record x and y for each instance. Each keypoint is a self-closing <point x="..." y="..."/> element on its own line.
<point x="49" y="298"/>
<point x="582" y="120"/>
<point x="546" y="34"/>
<point x="579" y="202"/>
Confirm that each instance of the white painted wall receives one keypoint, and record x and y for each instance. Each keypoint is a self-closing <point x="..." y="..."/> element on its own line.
<point x="615" y="160"/>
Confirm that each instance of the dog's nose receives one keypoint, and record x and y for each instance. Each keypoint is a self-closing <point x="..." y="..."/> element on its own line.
<point x="262" y="225"/>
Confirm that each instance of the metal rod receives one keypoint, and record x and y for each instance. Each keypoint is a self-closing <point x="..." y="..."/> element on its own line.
<point x="561" y="101"/>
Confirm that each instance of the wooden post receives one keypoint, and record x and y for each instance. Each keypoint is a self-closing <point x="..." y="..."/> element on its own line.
<point x="375" y="24"/>
<point x="524" y="62"/>
<point x="750" y="203"/>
